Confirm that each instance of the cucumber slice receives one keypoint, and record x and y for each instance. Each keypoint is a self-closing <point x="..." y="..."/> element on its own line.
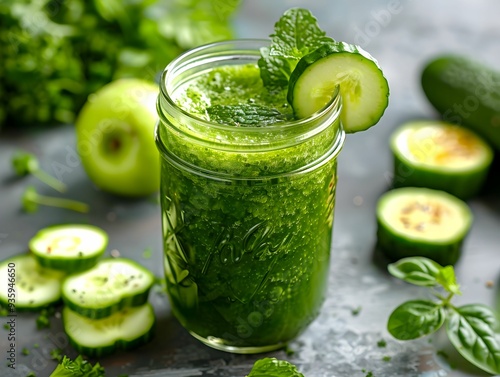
<point x="422" y="222"/>
<point x="465" y="92"/>
<point x="108" y="287"/>
<point x="363" y="87"/>
<point x="440" y="156"/>
<point x="25" y="285"/>
<point x="126" y="329"/>
<point x="71" y="247"/>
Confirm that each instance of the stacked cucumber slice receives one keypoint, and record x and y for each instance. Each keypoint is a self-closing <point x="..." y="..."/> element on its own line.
<point x="106" y="302"/>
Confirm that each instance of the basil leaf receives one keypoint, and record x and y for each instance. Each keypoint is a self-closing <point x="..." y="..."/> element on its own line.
<point x="271" y="367"/>
<point x="296" y="34"/>
<point x="414" y="319"/>
<point x="416" y="270"/>
<point x="448" y="280"/>
<point x="470" y="330"/>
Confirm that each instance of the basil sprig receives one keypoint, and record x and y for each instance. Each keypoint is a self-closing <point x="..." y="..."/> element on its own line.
<point x="470" y="328"/>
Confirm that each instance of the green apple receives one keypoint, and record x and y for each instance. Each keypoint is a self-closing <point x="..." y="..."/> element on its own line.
<point x="115" y="138"/>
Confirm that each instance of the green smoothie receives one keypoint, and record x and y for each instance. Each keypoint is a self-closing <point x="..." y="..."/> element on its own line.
<point x="247" y="232"/>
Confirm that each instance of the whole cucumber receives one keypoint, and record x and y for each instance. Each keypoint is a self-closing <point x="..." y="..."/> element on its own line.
<point x="465" y="92"/>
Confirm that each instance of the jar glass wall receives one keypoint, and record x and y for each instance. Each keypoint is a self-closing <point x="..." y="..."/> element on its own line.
<point x="247" y="213"/>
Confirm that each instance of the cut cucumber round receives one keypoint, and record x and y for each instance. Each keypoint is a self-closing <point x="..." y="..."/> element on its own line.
<point x="106" y="288"/>
<point x="422" y="222"/>
<point x="363" y="87"/>
<point x="440" y="156"/>
<point x="25" y="285"/>
<point x="465" y="92"/>
<point x="70" y="247"/>
<point x="126" y="329"/>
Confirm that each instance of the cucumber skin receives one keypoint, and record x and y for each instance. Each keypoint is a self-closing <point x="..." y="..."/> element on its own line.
<point x="462" y="185"/>
<point x="462" y="104"/>
<point x="99" y="313"/>
<point x="68" y="265"/>
<point x="119" y="344"/>
<point x="396" y="247"/>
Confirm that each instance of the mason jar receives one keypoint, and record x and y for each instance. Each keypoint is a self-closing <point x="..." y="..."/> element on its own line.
<point x="247" y="213"/>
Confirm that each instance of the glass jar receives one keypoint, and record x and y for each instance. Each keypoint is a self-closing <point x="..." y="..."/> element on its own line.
<point x="247" y="213"/>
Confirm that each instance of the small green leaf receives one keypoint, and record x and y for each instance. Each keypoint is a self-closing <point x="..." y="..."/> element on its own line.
<point x="271" y="367"/>
<point x="448" y="280"/>
<point x="244" y="115"/>
<point x="470" y="330"/>
<point x="414" y="319"/>
<point x="416" y="270"/>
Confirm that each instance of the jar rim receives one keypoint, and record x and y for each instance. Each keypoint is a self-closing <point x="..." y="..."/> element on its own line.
<point x="178" y="111"/>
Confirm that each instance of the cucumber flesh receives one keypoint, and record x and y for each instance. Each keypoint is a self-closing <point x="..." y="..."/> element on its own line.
<point x="28" y="286"/>
<point x="441" y="156"/>
<point x="465" y="92"/>
<point x="126" y="329"/>
<point x="111" y="285"/>
<point x="363" y="87"/>
<point x="422" y="222"/>
<point x="71" y="247"/>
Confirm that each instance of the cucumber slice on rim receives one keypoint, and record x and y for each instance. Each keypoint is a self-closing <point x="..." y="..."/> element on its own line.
<point x="423" y="222"/>
<point x="363" y="87"/>
<point x="126" y="329"/>
<point x="440" y="156"/>
<point x="106" y="288"/>
<point x="28" y="286"/>
<point x="70" y="247"/>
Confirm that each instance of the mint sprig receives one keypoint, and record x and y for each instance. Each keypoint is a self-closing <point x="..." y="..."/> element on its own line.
<point x="470" y="328"/>
<point x="271" y="367"/>
<point x="296" y="34"/>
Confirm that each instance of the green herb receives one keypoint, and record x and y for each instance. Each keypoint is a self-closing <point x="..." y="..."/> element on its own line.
<point x="77" y="368"/>
<point x="386" y="358"/>
<point x="271" y="367"/>
<point x="470" y="328"/>
<point x="25" y="351"/>
<point x="6" y="326"/>
<point x="381" y="343"/>
<point x="295" y="35"/>
<point x="31" y="200"/>
<point x="3" y="312"/>
<point x="43" y="319"/>
<point x="147" y="253"/>
<point x="356" y="311"/>
<point x="36" y="345"/>
<point x="56" y="354"/>
<point x="26" y="163"/>
<point x="31" y="374"/>
<point x="55" y="53"/>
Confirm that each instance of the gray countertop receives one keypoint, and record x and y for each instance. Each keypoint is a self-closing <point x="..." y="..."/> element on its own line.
<point x="342" y="342"/>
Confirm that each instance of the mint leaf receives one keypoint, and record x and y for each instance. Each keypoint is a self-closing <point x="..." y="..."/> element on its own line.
<point x="416" y="270"/>
<point x="271" y="367"/>
<point x="295" y="35"/>
<point x="414" y="319"/>
<point x="244" y="115"/>
<point x="470" y="330"/>
<point x="77" y="368"/>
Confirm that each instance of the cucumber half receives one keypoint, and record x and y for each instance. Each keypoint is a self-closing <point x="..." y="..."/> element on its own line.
<point x="70" y="247"/>
<point x="363" y="87"/>
<point x="126" y="329"/>
<point x="28" y="286"/>
<point x="440" y="156"/>
<point x="422" y="222"/>
<point x="108" y="287"/>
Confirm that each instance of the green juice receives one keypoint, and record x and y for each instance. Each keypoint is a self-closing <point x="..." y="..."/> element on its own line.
<point x="247" y="213"/>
